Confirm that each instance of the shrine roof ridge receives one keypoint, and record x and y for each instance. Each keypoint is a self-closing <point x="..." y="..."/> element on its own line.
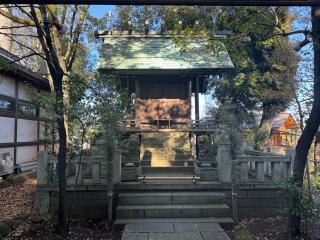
<point x="150" y="34"/>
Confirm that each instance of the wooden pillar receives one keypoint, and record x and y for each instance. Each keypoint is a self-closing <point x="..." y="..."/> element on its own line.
<point x="197" y="100"/>
<point x="190" y="88"/>
<point x="129" y="96"/>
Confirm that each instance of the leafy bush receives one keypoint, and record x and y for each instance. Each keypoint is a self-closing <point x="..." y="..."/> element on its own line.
<point x="315" y="183"/>
<point x="298" y="201"/>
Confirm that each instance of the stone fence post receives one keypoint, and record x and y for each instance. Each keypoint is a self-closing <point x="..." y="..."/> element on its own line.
<point x="42" y="172"/>
<point x="42" y="195"/>
<point x="117" y="165"/>
<point x="224" y="163"/>
<point x="291" y="153"/>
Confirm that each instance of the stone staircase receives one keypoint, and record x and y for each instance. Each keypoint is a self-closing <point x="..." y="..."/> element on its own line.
<point x="166" y="153"/>
<point x="169" y="206"/>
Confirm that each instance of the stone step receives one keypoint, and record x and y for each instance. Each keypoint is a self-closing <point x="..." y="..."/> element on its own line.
<point x="171" y="186"/>
<point x="167" y="151"/>
<point x="173" y="211"/>
<point x="157" y="198"/>
<point x="163" y="135"/>
<point x="222" y="220"/>
<point x="166" y="156"/>
<point x="174" y="169"/>
<point x="173" y="163"/>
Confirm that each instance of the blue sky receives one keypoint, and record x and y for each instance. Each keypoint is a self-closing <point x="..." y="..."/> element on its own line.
<point x="101" y="10"/>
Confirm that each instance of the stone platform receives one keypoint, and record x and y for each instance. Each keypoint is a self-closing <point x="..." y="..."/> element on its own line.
<point x="174" y="231"/>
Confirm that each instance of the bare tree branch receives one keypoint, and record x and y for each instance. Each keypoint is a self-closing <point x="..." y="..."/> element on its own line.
<point x="48" y="38"/>
<point x="19" y="26"/>
<point x="15" y="18"/>
<point x="75" y="41"/>
<point x="24" y="11"/>
<point x="23" y="45"/>
<point x="20" y="34"/>
<point x="64" y="13"/>
<point x="74" y="13"/>
<point x="286" y="34"/>
<point x="41" y="35"/>
<point x="23" y="57"/>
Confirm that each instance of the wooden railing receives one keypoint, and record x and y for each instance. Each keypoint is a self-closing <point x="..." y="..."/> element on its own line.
<point x="163" y="123"/>
<point x="268" y="168"/>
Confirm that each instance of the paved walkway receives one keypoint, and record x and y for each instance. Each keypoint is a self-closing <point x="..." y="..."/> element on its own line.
<point x="174" y="231"/>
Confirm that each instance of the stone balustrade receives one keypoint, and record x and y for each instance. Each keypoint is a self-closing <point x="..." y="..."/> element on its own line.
<point x="266" y="168"/>
<point x="90" y="170"/>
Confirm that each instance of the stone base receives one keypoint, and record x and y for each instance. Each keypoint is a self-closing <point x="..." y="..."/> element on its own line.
<point x="129" y="174"/>
<point x="41" y="204"/>
<point x="207" y="173"/>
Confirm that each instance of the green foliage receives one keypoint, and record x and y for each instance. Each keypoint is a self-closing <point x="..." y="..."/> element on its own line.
<point x="264" y="66"/>
<point x="242" y="234"/>
<point x="298" y="202"/>
<point x="315" y="183"/>
<point x="95" y="103"/>
<point x="103" y="105"/>
<point x="129" y="148"/>
<point x="207" y="150"/>
<point x="4" y="66"/>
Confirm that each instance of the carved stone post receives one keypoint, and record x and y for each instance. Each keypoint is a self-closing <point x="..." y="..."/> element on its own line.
<point x="291" y="153"/>
<point x="42" y="173"/>
<point x="224" y="157"/>
<point x="117" y="166"/>
<point x="42" y="195"/>
<point x="224" y="162"/>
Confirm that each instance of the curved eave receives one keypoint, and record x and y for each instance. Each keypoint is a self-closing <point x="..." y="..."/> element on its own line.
<point x="198" y="71"/>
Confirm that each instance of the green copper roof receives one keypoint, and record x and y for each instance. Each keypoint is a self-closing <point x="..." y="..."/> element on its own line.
<point x="160" y="53"/>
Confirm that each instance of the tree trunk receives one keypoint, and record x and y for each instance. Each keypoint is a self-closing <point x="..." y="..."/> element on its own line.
<point x="316" y="154"/>
<point x="66" y="98"/>
<point x="301" y="115"/>
<point x="264" y="130"/>
<point x="62" y="175"/>
<point x="312" y="123"/>
<point x="62" y="154"/>
<point x="110" y="158"/>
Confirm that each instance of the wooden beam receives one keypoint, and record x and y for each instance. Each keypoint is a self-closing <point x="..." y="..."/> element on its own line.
<point x="197" y="116"/>
<point x="18" y="144"/>
<point x="176" y="2"/>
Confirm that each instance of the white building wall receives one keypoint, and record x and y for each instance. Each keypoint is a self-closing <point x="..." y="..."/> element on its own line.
<point x="6" y="130"/>
<point x="26" y="154"/>
<point x="7" y="86"/>
<point x="23" y="93"/>
<point x="4" y="150"/>
<point x="27" y="130"/>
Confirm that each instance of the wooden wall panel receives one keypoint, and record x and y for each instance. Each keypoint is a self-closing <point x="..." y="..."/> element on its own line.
<point x="152" y="109"/>
<point x="163" y="99"/>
